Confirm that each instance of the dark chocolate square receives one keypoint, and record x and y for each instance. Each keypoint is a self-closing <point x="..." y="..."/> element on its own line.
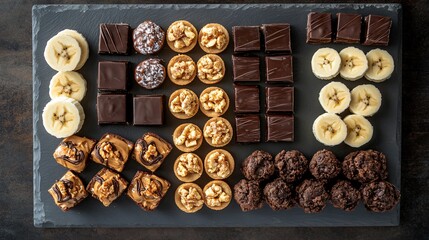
<point x="246" y="98"/>
<point x="111" y="108"/>
<point x="279" y="69"/>
<point x="348" y="28"/>
<point x="280" y="128"/>
<point x="319" y="27"/>
<point x="114" y="38"/>
<point x="246" y="69"/>
<point x="248" y="128"/>
<point x="277" y="37"/>
<point x="149" y="110"/>
<point x="279" y="99"/>
<point x="246" y="38"/>
<point x="112" y="76"/>
<point x="377" y="30"/>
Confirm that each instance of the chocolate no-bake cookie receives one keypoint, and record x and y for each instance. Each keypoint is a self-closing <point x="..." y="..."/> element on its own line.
<point x="380" y="196"/>
<point x="292" y="165"/>
<point x="365" y="166"/>
<point x="279" y="194"/>
<point x="248" y="195"/>
<point x="344" y="195"/>
<point x="150" y="73"/>
<point x="312" y="195"/>
<point x="148" y="38"/>
<point x="258" y="166"/>
<point x="324" y="165"/>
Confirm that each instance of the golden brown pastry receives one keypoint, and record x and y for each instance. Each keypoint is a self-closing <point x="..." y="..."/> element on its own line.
<point x="187" y="137"/>
<point x="182" y="36"/>
<point x="213" y="38"/>
<point x="183" y="103"/>
<point x="219" y="164"/>
<point x="214" y="102"/>
<point x="188" y="167"/>
<point x="189" y="197"/>
<point x="218" y="132"/>
<point x="211" y="69"/>
<point x="217" y="195"/>
<point x="182" y="70"/>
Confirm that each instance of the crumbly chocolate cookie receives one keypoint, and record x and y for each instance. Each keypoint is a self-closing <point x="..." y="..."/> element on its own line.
<point x="279" y="194"/>
<point x="258" y="166"/>
<point x="312" y="195"/>
<point x="365" y="166"/>
<point x="150" y="73"/>
<point x="344" y="196"/>
<point x="248" y="195"/>
<point x="148" y="38"/>
<point x="292" y="165"/>
<point x="380" y="196"/>
<point x="324" y="165"/>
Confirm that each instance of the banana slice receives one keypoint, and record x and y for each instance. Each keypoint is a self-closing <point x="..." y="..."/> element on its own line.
<point x="329" y="129"/>
<point x="326" y="63"/>
<point x="83" y="44"/>
<point x="353" y="63"/>
<point x="366" y="100"/>
<point x="334" y="97"/>
<point x="67" y="84"/>
<point x="359" y="130"/>
<point x="63" y="117"/>
<point x="380" y="65"/>
<point x="62" y="53"/>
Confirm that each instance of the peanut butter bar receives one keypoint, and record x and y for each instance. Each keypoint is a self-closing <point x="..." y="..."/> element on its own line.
<point x="151" y="150"/>
<point x="68" y="191"/>
<point x="106" y="186"/>
<point x="73" y="152"/>
<point x="112" y="151"/>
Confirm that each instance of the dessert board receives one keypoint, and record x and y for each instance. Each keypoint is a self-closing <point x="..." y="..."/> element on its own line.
<point x="48" y="20"/>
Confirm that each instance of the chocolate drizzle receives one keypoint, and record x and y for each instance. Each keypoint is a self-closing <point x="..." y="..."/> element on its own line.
<point x="349" y="28"/>
<point x="113" y="149"/>
<point x="277" y="37"/>
<point x="113" y="38"/>
<point x="246" y="99"/>
<point x="246" y="38"/>
<point x="141" y="189"/>
<point x="377" y="30"/>
<point x="246" y="68"/>
<point x="152" y="160"/>
<point x="77" y="155"/>
<point x="319" y="28"/>
<point x="68" y="185"/>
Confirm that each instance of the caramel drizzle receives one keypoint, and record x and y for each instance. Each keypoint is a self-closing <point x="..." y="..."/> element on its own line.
<point x="141" y="189"/>
<point x="319" y="21"/>
<point x="69" y="185"/>
<point x="79" y="154"/>
<point x="106" y="35"/>
<point x="151" y="161"/>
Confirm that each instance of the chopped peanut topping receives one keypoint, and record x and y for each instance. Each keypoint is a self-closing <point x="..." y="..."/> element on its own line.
<point x="185" y="102"/>
<point x="188" y="164"/>
<point x="215" y="195"/>
<point x="218" y="164"/>
<point x="182" y="35"/>
<point x="214" y="100"/>
<point x="210" y="68"/>
<point x="218" y="132"/>
<point x="189" y="136"/>
<point x="190" y="198"/>
<point x="213" y="37"/>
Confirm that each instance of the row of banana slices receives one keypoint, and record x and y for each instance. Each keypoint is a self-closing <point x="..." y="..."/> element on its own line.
<point x="66" y="52"/>
<point x="352" y="64"/>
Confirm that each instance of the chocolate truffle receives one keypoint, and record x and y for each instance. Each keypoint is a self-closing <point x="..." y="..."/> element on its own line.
<point x="112" y="76"/>
<point x="151" y="150"/>
<point x="68" y="191"/>
<point x="312" y="195"/>
<point x="348" y="28"/>
<point x="280" y="128"/>
<point x="377" y="30"/>
<point x="246" y="38"/>
<point x="73" y="152"/>
<point x="279" y="69"/>
<point x="279" y="195"/>
<point x="246" y="98"/>
<point x="111" y="108"/>
<point x="365" y="166"/>
<point x="106" y="186"/>
<point x="148" y="38"/>
<point x="149" y="110"/>
<point x="112" y="151"/>
<point x="380" y="196"/>
<point x="248" y="195"/>
<point x="291" y="165"/>
<point x="319" y="27"/>
<point x="248" y="128"/>
<point x="277" y="37"/>
<point x="114" y="38"/>
<point x="150" y="73"/>
<point x="344" y="196"/>
<point x="258" y="166"/>
<point x="279" y="99"/>
<point x="324" y="165"/>
<point x="245" y="69"/>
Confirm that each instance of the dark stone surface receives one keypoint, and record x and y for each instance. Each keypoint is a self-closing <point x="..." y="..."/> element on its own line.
<point x="16" y="199"/>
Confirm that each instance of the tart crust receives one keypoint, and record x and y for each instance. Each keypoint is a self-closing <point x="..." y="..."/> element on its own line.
<point x="183" y="148"/>
<point x="228" y="125"/>
<point x="179" y="203"/>
<point x="212" y="113"/>
<point x="182" y="115"/>
<point x="225" y="188"/>
<point x="181" y="57"/>
<point x="187" y="48"/>
<point x="214" y="50"/>
<point x="229" y="158"/>
<point x="192" y="176"/>
<point x="216" y="57"/>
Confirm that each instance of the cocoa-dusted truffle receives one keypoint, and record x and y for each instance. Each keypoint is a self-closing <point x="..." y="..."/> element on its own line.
<point x="258" y="166"/>
<point x="312" y="195"/>
<point x="292" y="165"/>
<point x="380" y="196"/>
<point x="365" y="166"/>
<point x="324" y="165"/>
<point x="248" y="195"/>
<point x="344" y="196"/>
<point x="279" y="194"/>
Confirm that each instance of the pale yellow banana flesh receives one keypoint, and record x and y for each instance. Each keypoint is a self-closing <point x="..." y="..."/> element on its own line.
<point x="365" y="100"/>
<point x="380" y="65"/>
<point x="359" y="130"/>
<point x="68" y="84"/>
<point x="62" y="53"/>
<point x="329" y="129"/>
<point x="354" y="63"/>
<point x="334" y="97"/>
<point x="326" y="63"/>
<point x="83" y="44"/>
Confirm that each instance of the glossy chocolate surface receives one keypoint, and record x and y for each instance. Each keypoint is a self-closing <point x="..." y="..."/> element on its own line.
<point x="246" y="99"/>
<point x="319" y="27"/>
<point x="348" y="28"/>
<point x="280" y="128"/>
<point x="279" y="69"/>
<point x="111" y="108"/>
<point x="248" y="128"/>
<point x="149" y="110"/>
<point x="246" y="38"/>
<point x="377" y="30"/>
<point x="112" y="76"/>
<point x="277" y="37"/>
<point x="113" y="38"/>
<point x="279" y="99"/>
<point x="246" y="69"/>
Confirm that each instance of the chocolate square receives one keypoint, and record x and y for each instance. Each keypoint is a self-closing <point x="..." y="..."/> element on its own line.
<point x="149" y="110"/>
<point x="246" y="38"/>
<point x="73" y="152"/>
<point x="279" y="99"/>
<point x="279" y="69"/>
<point x="319" y="27"/>
<point x="248" y="128"/>
<point x="277" y="37"/>
<point x="112" y="151"/>
<point x="106" y="186"/>
<point x="377" y="30"/>
<point x="246" y="98"/>
<point x="112" y="76"/>
<point x="348" y="28"/>
<point x="280" y="128"/>
<point x="151" y="150"/>
<point x="114" y="38"/>
<point x="68" y="191"/>
<point x="246" y="69"/>
<point x="111" y="108"/>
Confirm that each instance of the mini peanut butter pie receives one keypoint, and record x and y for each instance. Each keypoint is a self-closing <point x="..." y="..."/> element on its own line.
<point x="211" y="69"/>
<point x="112" y="151"/>
<point x="182" y="70"/>
<point x="151" y="150"/>
<point x="106" y="186"/>
<point x="218" y="132"/>
<point x="147" y="190"/>
<point x="219" y="164"/>
<point x="188" y="167"/>
<point x="189" y="197"/>
<point x="73" y="152"/>
<point x="182" y="36"/>
<point x="213" y="38"/>
<point x="214" y="102"/>
<point x="183" y="103"/>
<point x="68" y="191"/>
<point x="187" y="137"/>
<point x="217" y="195"/>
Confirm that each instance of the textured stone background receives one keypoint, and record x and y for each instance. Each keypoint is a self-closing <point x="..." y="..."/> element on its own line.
<point x="16" y="201"/>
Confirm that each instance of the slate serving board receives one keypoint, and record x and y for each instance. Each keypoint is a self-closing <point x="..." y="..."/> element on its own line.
<point x="50" y="19"/>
